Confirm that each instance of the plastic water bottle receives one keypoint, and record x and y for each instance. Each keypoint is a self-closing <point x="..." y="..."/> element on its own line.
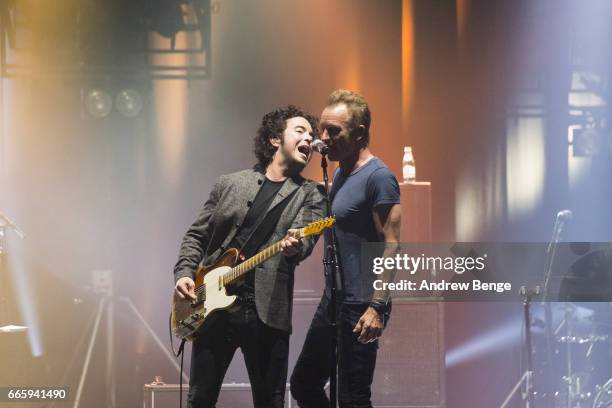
<point x="408" y="167"/>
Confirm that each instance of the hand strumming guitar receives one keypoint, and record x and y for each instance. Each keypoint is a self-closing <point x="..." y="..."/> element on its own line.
<point x="185" y="287"/>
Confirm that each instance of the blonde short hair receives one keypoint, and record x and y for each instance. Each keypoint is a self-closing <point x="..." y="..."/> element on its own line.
<point x="357" y="107"/>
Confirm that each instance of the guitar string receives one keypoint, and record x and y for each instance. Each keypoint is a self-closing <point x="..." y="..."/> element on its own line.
<point x="267" y="253"/>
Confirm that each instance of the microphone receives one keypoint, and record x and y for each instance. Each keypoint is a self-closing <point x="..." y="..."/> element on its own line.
<point x="563" y="217"/>
<point x="319" y="146"/>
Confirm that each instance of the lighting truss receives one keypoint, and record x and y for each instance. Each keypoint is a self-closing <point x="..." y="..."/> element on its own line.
<point x="68" y="39"/>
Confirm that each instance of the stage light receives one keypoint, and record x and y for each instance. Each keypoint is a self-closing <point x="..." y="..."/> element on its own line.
<point x="129" y="102"/>
<point x="98" y="103"/>
<point x="22" y="278"/>
<point x="99" y="100"/>
<point x="498" y="338"/>
<point x="525" y="164"/>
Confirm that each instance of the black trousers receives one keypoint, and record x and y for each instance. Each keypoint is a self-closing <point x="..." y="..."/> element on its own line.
<point x="265" y="350"/>
<point x="356" y="361"/>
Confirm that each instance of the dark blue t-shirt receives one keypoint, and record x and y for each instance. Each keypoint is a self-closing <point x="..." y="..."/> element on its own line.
<point x="353" y="199"/>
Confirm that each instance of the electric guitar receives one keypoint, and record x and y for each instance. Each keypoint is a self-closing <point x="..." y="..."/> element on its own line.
<point x="211" y="283"/>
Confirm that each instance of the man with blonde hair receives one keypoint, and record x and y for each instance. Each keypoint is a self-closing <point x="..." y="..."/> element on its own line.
<point x="365" y="201"/>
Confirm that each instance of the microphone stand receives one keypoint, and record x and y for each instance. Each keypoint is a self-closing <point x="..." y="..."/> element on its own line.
<point x="333" y="269"/>
<point x="528" y="295"/>
<point x="527" y="379"/>
<point x="551" y="252"/>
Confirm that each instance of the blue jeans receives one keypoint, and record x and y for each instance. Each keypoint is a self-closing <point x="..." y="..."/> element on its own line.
<point x="356" y="361"/>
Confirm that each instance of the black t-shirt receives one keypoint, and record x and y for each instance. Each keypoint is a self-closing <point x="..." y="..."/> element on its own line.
<point x="248" y="247"/>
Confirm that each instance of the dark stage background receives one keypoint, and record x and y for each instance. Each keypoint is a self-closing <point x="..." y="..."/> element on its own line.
<point x="486" y="92"/>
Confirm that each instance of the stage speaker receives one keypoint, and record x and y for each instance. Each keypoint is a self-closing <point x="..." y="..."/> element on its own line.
<point x="410" y="362"/>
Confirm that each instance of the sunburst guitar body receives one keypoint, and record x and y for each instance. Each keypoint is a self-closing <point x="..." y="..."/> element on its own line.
<point x="190" y="317"/>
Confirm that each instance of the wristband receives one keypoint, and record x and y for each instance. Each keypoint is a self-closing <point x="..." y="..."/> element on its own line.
<point x="381" y="308"/>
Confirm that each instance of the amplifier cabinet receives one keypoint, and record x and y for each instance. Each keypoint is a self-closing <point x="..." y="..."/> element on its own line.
<point x="410" y="361"/>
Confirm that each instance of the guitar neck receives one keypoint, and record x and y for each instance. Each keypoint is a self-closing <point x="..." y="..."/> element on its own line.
<point x="259" y="258"/>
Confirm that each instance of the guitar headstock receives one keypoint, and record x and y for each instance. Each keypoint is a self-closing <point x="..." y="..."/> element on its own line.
<point x="316" y="227"/>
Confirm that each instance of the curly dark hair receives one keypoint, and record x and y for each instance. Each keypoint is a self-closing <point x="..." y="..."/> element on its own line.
<point x="274" y="124"/>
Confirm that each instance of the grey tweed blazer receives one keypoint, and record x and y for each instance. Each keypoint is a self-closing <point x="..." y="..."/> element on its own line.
<point x="221" y="217"/>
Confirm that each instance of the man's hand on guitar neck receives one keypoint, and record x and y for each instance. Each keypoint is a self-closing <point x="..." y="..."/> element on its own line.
<point x="290" y="245"/>
<point x="185" y="287"/>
